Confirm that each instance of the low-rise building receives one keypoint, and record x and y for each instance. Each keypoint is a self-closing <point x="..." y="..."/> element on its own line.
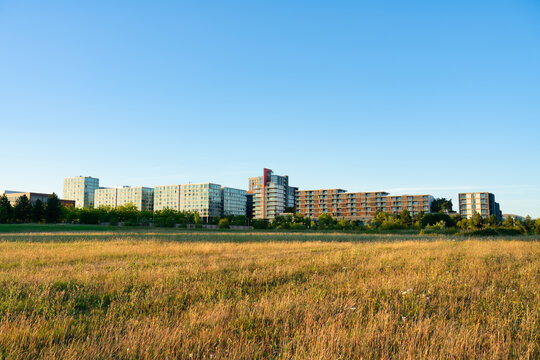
<point x="13" y="196"/>
<point x="482" y="203"/>
<point x="361" y="206"/>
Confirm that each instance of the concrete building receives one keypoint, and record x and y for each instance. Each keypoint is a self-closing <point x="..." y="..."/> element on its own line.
<point x="105" y="197"/>
<point x="206" y="199"/>
<point x="13" y="196"/>
<point x="271" y="195"/>
<point x="81" y="189"/>
<point x="167" y="197"/>
<point x="141" y="197"/>
<point x="234" y="201"/>
<point x="482" y="203"/>
<point x="361" y="206"/>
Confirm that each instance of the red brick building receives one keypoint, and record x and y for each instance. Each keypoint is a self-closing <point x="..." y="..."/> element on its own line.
<point x="357" y="206"/>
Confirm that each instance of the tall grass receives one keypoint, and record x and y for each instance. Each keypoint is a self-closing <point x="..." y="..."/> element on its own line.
<point x="133" y="298"/>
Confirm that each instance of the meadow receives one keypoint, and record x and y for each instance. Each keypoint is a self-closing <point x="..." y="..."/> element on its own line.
<point x="222" y="295"/>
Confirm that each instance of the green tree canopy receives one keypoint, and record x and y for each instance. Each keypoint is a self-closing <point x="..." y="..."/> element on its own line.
<point x="6" y="211"/>
<point x="53" y="209"/>
<point x="405" y="217"/>
<point x="38" y="212"/>
<point x="23" y="209"/>
<point x="441" y="205"/>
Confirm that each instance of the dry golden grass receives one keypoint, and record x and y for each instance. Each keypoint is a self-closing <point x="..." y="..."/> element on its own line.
<point x="154" y="299"/>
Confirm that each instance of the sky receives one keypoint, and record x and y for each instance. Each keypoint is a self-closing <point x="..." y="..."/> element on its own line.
<point x="409" y="97"/>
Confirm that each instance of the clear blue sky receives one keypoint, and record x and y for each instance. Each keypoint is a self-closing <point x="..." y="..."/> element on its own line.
<point x="405" y="96"/>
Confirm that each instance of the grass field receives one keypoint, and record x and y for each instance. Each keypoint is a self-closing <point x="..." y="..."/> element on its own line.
<point x="221" y="295"/>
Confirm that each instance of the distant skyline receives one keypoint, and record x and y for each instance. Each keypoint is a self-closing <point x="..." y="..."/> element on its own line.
<point x="405" y="97"/>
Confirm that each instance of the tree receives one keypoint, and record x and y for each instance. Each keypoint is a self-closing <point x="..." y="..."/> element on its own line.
<point x="477" y="220"/>
<point x="128" y="214"/>
<point x="6" y="211"/>
<point x="492" y="221"/>
<point x="379" y="218"/>
<point x="239" y="220"/>
<point x="435" y="218"/>
<point x="165" y="217"/>
<point x="537" y="226"/>
<point x="23" y="209"/>
<point x="405" y="217"/>
<point x="197" y="217"/>
<point x="223" y="223"/>
<point x="441" y="205"/>
<point x="325" y="221"/>
<point x="508" y="222"/>
<point x="37" y="211"/>
<point x="53" y="209"/>
<point x="528" y="224"/>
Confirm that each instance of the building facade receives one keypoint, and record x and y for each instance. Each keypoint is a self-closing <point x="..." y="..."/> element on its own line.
<point x="271" y="195"/>
<point x="141" y="197"/>
<point x="482" y="203"/>
<point x="81" y="189"/>
<point x="167" y="197"/>
<point x="361" y="206"/>
<point x="105" y="197"/>
<point x="234" y="201"/>
<point x="206" y="199"/>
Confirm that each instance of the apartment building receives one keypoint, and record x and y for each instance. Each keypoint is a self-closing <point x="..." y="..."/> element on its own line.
<point x="361" y="206"/>
<point x="141" y="197"/>
<point x="482" y="203"/>
<point x="167" y="197"/>
<point x="81" y="189"/>
<point x="234" y="201"/>
<point x="105" y="197"/>
<point x="13" y="196"/>
<point x="206" y="199"/>
<point x="271" y="195"/>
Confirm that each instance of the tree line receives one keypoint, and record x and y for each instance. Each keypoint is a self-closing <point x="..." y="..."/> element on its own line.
<point x="24" y="211"/>
<point x="439" y="221"/>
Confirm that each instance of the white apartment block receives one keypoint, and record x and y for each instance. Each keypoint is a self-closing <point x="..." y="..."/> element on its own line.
<point x="105" y="197"/>
<point x="81" y="189"/>
<point x="141" y="197"/>
<point x="204" y="198"/>
<point x="167" y="197"/>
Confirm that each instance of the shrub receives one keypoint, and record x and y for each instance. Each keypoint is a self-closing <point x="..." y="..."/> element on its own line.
<point x="223" y="223"/>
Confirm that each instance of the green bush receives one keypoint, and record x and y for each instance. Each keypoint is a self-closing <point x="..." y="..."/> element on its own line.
<point x="223" y="223"/>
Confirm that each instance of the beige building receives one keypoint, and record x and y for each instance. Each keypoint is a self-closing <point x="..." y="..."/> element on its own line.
<point x="206" y="199"/>
<point x="141" y="197"/>
<point x="482" y="203"/>
<point x="81" y="189"/>
<point x="167" y="197"/>
<point x="105" y="197"/>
